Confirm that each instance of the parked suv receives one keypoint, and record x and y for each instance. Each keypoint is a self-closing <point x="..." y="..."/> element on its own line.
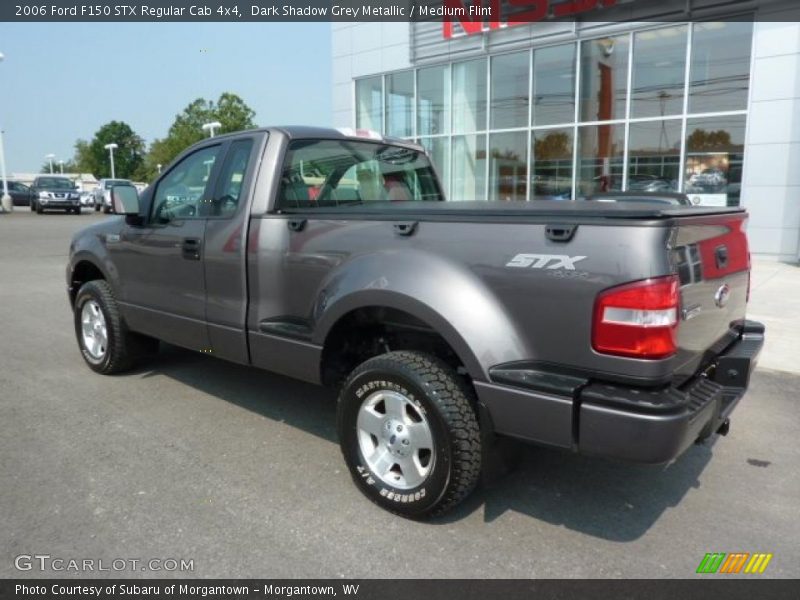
<point x="53" y="192"/>
<point x="102" y="193"/>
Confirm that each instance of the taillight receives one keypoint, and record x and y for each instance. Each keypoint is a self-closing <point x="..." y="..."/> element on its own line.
<point x="638" y="319"/>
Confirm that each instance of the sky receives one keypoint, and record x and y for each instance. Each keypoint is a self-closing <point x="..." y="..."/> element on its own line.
<point x="61" y="81"/>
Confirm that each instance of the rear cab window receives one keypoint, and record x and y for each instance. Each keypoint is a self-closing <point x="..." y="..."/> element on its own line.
<point x="319" y="173"/>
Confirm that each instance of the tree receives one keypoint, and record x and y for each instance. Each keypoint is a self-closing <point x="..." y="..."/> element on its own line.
<point x="230" y="110"/>
<point x="128" y="156"/>
<point x="710" y="141"/>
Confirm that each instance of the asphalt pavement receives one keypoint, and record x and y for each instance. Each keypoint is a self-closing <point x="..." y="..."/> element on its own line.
<point x="238" y="470"/>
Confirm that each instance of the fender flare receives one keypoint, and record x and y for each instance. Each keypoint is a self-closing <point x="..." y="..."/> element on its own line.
<point x="464" y="312"/>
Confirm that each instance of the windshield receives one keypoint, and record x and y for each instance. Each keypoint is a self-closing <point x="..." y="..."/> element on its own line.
<point x="334" y="173"/>
<point x="55" y="183"/>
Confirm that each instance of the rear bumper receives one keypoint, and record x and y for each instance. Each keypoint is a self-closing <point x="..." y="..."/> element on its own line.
<point x="629" y="423"/>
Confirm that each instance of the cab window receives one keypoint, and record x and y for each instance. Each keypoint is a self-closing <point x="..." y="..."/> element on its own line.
<point x="231" y="179"/>
<point x="340" y="173"/>
<point x="180" y="194"/>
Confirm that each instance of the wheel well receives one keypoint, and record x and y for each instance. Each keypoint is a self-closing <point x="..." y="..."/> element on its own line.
<point x="84" y="271"/>
<point x="370" y="331"/>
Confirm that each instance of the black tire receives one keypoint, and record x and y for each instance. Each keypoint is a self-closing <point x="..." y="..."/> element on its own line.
<point x="33" y="206"/>
<point x="106" y="209"/>
<point x="77" y="210"/>
<point x="448" y="405"/>
<point x="39" y="209"/>
<point x="124" y="348"/>
<point x="96" y="208"/>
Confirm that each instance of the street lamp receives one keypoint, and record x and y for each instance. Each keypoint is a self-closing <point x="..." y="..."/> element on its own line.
<point x="158" y="166"/>
<point x="50" y="157"/>
<point x="61" y="166"/>
<point x="111" y="147"/>
<point x="5" y="201"/>
<point x="211" y="127"/>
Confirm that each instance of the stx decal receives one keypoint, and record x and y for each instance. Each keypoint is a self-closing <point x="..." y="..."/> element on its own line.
<point x="545" y="261"/>
<point x="470" y="15"/>
<point x="716" y="562"/>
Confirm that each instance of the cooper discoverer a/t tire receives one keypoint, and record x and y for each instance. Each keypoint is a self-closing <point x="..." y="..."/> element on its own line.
<point x="409" y="433"/>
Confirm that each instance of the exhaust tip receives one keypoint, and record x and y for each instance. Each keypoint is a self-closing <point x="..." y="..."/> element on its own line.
<point x="725" y="427"/>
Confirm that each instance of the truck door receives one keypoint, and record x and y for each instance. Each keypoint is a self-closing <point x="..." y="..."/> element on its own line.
<point x="160" y="264"/>
<point x="225" y="250"/>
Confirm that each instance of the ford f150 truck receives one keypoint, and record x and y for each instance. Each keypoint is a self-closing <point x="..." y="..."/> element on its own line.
<point x="613" y="329"/>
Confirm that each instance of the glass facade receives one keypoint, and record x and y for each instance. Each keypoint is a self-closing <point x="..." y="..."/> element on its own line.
<point x="659" y="109"/>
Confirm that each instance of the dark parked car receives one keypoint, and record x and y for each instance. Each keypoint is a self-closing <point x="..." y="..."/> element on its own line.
<point x="20" y="193"/>
<point x="59" y="193"/>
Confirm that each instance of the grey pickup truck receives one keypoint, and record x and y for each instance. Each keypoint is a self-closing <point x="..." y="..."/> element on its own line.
<point x="607" y="328"/>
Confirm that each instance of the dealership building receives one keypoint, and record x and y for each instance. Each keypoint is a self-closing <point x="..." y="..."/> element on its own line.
<point x="703" y="99"/>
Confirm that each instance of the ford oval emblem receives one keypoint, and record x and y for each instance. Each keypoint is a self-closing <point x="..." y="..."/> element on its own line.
<point x="723" y="295"/>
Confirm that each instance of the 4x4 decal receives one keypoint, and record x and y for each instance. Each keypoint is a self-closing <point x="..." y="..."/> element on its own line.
<point x="545" y="261"/>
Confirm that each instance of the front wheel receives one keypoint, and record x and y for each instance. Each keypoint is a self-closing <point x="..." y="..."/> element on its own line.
<point x="409" y="433"/>
<point x="105" y="343"/>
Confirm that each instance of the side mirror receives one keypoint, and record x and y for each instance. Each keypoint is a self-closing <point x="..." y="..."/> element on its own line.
<point x="125" y="200"/>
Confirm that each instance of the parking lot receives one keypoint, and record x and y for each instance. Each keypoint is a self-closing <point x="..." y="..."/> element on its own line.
<point x="239" y="471"/>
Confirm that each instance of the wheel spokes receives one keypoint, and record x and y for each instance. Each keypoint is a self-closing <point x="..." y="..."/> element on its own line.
<point x="370" y="421"/>
<point x="420" y="436"/>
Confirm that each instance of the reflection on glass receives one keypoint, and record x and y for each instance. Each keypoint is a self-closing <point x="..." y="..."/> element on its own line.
<point x="508" y="166"/>
<point x="399" y="103"/>
<point x="654" y="156"/>
<point x="469" y="96"/>
<point x="433" y="102"/>
<point x="659" y="72"/>
<point x="469" y="167"/>
<point x="439" y="149"/>
<point x="509" y="106"/>
<point x="720" y="70"/>
<point x="369" y="103"/>
<point x="600" y="159"/>
<point x="554" y="85"/>
<point x="714" y="156"/>
<point x="604" y="78"/>
<point x="552" y="165"/>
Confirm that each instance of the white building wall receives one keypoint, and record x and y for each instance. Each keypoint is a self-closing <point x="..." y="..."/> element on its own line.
<point x="361" y="49"/>
<point x="771" y="178"/>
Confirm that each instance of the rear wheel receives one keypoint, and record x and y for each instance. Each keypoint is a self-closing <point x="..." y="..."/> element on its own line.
<point x="77" y="210"/>
<point x="105" y="343"/>
<point x="409" y="433"/>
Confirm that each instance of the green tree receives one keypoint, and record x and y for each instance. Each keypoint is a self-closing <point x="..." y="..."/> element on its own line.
<point x="230" y="110"/>
<point x="92" y="157"/>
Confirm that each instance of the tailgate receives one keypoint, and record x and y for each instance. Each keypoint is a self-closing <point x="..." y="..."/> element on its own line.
<point x="713" y="265"/>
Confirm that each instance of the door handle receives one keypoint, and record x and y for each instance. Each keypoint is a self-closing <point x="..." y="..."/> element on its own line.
<point x="405" y="228"/>
<point x="191" y="248"/>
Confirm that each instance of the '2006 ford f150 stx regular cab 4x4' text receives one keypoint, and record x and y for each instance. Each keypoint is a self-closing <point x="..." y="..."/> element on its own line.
<point x="607" y="328"/>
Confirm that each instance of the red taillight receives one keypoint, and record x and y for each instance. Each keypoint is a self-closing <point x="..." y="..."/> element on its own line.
<point x="638" y="319"/>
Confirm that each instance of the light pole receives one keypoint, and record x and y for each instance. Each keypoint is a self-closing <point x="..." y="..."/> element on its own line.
<point x="158" y="166"/>
<point x="50" y="157"/>
<point x="211" y="127"/>
<point x="61" y="166"/>
<point x="5" y="201"/>
<point x="111" y="147"/>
